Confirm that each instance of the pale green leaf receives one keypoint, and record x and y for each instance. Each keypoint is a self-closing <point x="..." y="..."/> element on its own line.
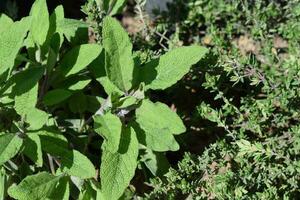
<point x="10" y="145"/>
<point x="5" y="22"/>
<point x="56" y="96"/>
<point x="25" y="107"/>
<point x="11" y="40"/>
<point x="165" y="71"/>
<point x="35" y="187"/>
<point x="79" y="58"/>
<point x="109" y="126"/>
<point x="40" y="21"/>
<point x="156" y="129"/>
<point x="33" y="148"/>
<point x="36" y="118"/>
<point x="119" y="63"/>
<point x="117" y="169"/>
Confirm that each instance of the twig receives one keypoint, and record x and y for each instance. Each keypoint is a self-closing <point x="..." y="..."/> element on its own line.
<point x="50" y="159"/>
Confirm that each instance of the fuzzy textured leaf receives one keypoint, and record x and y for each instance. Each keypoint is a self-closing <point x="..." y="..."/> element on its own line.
<point x="5" y="22"/>
<point x="117" y="169"/>
<point x="79" y="57"/>
<point x="109" y="126"/>
<point x="157" y="130"/>
<point x="11" y="40"/>
<point x="40" y="21"/>
<point x="35" y="187"/>
<point x="10" y="145"/>
<point x="119" y="63"/>
<point x="72" y="162"/>
<point x="33" y="148"/>
<point x="165" y="71"/>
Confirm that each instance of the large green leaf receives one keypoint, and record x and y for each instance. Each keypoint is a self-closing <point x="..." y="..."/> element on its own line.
<point x="79" y="58"/>
<point x="158" y="123"/>
<point x="25" y="107"/>
<point x="109" y="126"/>
<point x="165" y="71"/>
<point x="72" y="162"/>
<point x="40" y="21"/>
<point x="11" y="40"/>
<point x="10" y="145"/>
<point x="117" y="169"/>
<point x="119" y="63"/>
<point x="35" y="187"/>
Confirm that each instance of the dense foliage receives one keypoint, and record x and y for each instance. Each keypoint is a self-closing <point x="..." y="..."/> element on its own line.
<point x="90" y="111"/>
<point x="58" y="92"/>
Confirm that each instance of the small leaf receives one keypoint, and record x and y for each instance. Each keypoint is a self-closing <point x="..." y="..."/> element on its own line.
<point x="33" y="148"/>
<point x="56" y="96"/>
<point x="118" y="54"/>
<point x="40" y="21"/>
<point x="11" y="40"/>
<point x="156" y="162"/>
<point x="109" y="87"/>
<point x="79" y="58"/>
<point x="35" y="187"/>
<point x="157" y="127"/>
<point x="117" y="169"/>
<point x="25" y="107"/>
<point x="10" y="145"/>
<point x="109" y="126"/>
<point x="165" y="71"/>
<point x="80" y="85"/>
<point x="74" y="30"/>
<point x="72" y="162"/>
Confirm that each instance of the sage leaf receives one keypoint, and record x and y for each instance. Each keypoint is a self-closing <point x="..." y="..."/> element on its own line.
<point x="10" y="145"/>
<point x="163" y="72"/>
<point x="156" y="130"/>
<point x="35" y="187"/>
<point x="40" y="21"/>
<point x="117" y="169"/>
<point x="79" y="58"/>
<point x="119" y="63"/>
<point x="11" y="40"/>
<point x="109" y="126"/>
<point x="33" y="148"/>
<point x="73" y="162"/>
<point x="5" y="22"/>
